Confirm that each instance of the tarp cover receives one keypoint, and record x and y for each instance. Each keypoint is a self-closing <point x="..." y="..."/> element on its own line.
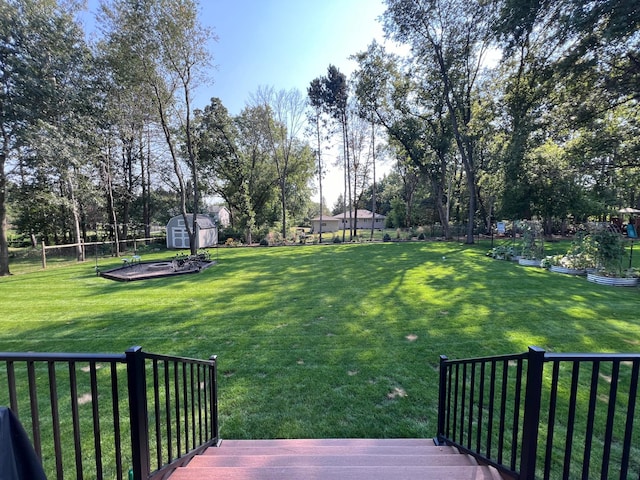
<point x="18" y="459"/>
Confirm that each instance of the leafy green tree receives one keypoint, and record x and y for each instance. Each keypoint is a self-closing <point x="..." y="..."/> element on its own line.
<point x="412" y="111"/>
<point x="334" y="98"/>
<point x="171" y="46"/>
<point x="449" y="39"/>
<point x="281" y="116"/>
<point x="237" y="161"/>
<point x="318" y="122"/>
<point x="44" y="74"/>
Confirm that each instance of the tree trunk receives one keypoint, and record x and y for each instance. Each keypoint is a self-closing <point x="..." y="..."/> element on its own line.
<point x="4" y="245"/>
<point x="373" y="194"/>
<point x="76" y="222"/>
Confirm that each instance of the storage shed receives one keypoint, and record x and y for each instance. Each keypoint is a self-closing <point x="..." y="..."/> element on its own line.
<point x="206" y="232"/>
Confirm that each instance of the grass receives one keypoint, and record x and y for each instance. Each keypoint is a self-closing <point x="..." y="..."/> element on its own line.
<point x="323" y="341"/>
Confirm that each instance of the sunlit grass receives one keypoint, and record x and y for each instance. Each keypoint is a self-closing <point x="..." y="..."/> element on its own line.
<point x="322" y="341"/>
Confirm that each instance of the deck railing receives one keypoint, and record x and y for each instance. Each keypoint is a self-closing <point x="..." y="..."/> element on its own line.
<point x="118" y="416"/>
<point x="544" y="415"/>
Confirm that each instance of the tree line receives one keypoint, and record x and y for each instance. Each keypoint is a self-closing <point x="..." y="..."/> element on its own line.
<point x="501" y="109"/>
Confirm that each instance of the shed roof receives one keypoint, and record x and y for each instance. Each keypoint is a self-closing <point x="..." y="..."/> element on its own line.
<point x="204" y="221"/>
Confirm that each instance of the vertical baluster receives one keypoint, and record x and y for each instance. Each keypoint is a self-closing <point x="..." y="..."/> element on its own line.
<point x="516" y="414"/>
<point x="591" y="414"/>
<point x="115" y="402"/>
<point x="33" y="401"/>
<point x="471" y="410"/>
<point x="492" y="396"/>
<point x="480" y="407"/>
<point x="176" y="387"/>
<point x="503" y="409"/>
<point x="571" y="420"/>
<point x="185" y="405"/>
<point x="167" y="394"/>
<point x="463" y="402"/>
<point x="611" y="411"/>
<point x="199" y="384"/>
<point x="96" y="419"/>
<point x="193" y="407"/>
<point x="455" y="402"/>
<point x="449" y="395"/>
<point x="75" y="418"/>
<point x="553" y="399"/>
<point x="11" y="380"/>
<point x="156" y="411"/>
<point x="55" y="419"/>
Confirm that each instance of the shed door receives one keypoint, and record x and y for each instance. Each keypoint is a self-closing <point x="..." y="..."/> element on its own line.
<point x="180" y="238"/>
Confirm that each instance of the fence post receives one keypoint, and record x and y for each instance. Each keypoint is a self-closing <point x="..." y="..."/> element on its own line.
<point x="531" y="418"/>
<point x="44" y="255"/>
<point x="442" y="397"/>
<point x="137" y="386"/>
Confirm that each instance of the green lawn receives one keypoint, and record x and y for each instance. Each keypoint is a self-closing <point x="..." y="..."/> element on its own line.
<point x="323" y="341"/>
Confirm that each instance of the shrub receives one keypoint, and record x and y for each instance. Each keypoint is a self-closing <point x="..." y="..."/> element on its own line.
<point x="264" y="242"/>
<point x="386" y="237"/>
<point x="337" y="239"/>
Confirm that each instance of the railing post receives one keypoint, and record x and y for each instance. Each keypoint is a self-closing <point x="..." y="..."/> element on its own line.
<point x="531" y="418"/>
<point x="137" y="386"/>
<point x="442" y="396"/>
<point x="214" y="398"/>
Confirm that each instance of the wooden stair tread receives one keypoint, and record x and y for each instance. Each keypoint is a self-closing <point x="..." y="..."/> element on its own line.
<point x="335" y="473"/>
<point x="329" y="450"/>
<point x="254" y="461"/>
<point x="331" y="442"/>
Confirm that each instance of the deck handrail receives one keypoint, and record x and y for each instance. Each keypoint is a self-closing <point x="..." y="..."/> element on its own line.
<point x="141" y="414"/>
<point x="544" y="415"/>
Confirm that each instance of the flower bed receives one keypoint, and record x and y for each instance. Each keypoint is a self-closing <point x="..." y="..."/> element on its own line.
<point x="567" y="271"/>
<point x="613" y="281"/>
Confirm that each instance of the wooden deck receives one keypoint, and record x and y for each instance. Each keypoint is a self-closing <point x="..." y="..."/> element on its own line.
<point x="339" y="459"/>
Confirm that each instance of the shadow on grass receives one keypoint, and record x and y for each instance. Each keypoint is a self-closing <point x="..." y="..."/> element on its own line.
<point x="325" y="341"/>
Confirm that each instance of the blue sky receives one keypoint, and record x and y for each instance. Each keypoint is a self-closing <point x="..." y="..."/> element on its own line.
<point x="283" y="43"/>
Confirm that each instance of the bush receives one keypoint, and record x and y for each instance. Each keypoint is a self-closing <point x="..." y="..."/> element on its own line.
<point x="230" y="233"/>
<point x="337" y="240"/>
<point x="386" y="237"/>
<point x="264" y="242"/>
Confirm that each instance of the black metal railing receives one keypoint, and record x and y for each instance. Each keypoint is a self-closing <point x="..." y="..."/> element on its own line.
<point x="544" y="415"/>
<point x="135" y="413"/>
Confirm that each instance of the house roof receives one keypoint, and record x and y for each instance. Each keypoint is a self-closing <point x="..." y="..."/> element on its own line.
<point x="361" y="213"/>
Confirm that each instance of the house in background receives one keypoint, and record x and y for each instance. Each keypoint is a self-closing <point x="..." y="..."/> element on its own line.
<point x="206" y="232"/>
<point x="221" y="215"/>
<point x="365" y="219"/>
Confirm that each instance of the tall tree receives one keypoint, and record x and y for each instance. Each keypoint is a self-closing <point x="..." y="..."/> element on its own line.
<point x="315" y="93"/>
<point x="171" y="45"/>
<point x="42" y="57"/>
<point x="336" y="102"/>
<point x="282" y="120"/>
<point x="411" y="108"/>
<point x="450" y="38"/>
